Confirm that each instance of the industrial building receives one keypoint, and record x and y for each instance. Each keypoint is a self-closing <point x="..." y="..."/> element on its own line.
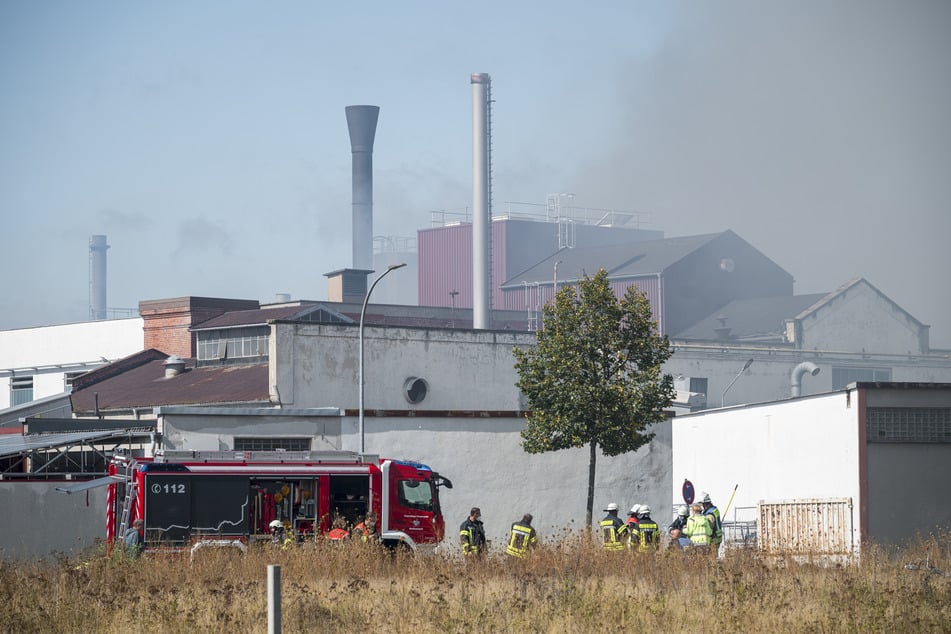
<point x="438" y="378"/>
<point x="827" y="472"/>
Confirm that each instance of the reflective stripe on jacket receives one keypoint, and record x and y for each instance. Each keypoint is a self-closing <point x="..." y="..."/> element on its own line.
<point x="522" y="538"/>
<point x="613" y="531"/>
<point x="698" y="529"/>
<point x="714" y="512"/>
<point x="648" y="534"/>
<point x="472" y="536"/>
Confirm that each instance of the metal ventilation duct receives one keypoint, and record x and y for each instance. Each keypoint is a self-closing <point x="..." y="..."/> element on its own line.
<point x="361" y="122"/>
<point x="806" y="367"/>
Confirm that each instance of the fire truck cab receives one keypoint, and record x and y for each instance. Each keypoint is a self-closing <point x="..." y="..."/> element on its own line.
<point x="187" y="499"/>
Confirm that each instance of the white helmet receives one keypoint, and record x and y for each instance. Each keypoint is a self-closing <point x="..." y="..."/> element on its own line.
<point x="683" y="511"/>
<point x="611" y="507"/>
<point x="644" y="510"/>
<point x="276" y="524"/>
<point x="706" y="498"/>
<point x="635" y="509"/>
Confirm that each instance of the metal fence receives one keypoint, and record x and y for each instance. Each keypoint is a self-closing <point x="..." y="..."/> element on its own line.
<point x="808" y="526"/>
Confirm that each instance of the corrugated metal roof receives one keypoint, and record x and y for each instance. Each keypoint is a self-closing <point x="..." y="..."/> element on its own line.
<point x="87" y="485"/>
<point x="625" y="260"/>
<point x="14" y="444"/>
<point x="761" y="318"/>
<point x="146" y="386"/>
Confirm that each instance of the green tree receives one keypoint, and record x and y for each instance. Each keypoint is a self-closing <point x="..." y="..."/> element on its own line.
<point x="594" y="378"/>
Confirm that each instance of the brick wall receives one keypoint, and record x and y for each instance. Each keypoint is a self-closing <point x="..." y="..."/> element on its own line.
<point x="168" y="322"/>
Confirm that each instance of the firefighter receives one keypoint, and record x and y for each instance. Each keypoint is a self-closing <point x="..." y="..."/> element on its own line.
<point x="613" y="530"/>
<point x="632" y="522"/>
<point x="472" y="534"/>
<point x="676" y="527"/>
<point x="338" y="532"/>
<point x="279" y="535"/>
<point x="523" y="537"/>
<point x="713" y="515"/>
<point x="648" y="533"/>
<point x="134" y="539"/>
<point x="366" y="530"/>
<point x="698" y="528"/>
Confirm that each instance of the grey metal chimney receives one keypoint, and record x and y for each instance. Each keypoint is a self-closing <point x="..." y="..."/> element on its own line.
<point x="481" y="212"/>
<point x="361" y="121"/>
<point x="97" y="277"/>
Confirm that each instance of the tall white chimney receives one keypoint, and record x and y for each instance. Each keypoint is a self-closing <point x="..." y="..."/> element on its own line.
<point x="481" y="211"/>
<point x="97" y="277"/>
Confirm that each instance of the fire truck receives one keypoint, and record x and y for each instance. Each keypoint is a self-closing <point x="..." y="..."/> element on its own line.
<point x="191" y="499"/>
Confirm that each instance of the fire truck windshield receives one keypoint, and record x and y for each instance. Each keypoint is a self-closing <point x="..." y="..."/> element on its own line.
<point x="416" y="495"/>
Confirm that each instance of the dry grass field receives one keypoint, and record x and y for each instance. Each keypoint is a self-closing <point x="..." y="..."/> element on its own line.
<point x="570" y="586"/>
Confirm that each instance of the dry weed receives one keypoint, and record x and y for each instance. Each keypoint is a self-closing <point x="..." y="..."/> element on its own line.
<point x="568" y="585"/>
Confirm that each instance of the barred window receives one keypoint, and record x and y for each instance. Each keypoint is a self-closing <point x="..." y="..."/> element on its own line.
<point x="21" y="390"/>
<point x="909" y="424"/>
<point x="233" y="343"/>
<point x="271" y="444"/>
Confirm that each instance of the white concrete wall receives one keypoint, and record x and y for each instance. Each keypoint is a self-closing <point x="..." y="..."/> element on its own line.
<point x="803" y="448"/>
<point x="206" y="432"/>
<point x="38" y="521"/>
<point x="489" y="469"/>
<point x="317" y="366"/>
<point x="49" y="352"/>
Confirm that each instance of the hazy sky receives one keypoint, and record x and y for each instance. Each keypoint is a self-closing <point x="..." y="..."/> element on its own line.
<point x="208" y="141"/>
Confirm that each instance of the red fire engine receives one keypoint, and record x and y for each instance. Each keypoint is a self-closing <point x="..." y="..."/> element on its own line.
<point x="190" y="499"/>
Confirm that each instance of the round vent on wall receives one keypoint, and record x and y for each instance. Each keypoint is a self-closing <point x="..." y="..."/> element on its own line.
<point x="415" y="389"/>
<point x="727" y="265"/>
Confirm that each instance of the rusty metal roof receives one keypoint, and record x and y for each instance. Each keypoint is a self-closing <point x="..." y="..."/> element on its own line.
<point x="142" y="384"/>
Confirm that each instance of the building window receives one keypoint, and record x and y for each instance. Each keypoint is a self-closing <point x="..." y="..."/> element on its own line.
<point x="272" y="444"/>
<point x="908" y="424"/>
<point x="842" y="376"/>
<point x="234" y="343"/>
<point x="698" y="385"/>
<point x="68" y="379"/>
<point x="415" y="389"/>
<point x="21" y="390"/>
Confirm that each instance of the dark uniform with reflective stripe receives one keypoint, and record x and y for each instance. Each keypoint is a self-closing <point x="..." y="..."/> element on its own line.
<point x="472" y="535"/>
<point x="648" y="534"/>
<point x="523" y="538"/>
<point x="613" y="531"/>
<point x="716" y="524"/>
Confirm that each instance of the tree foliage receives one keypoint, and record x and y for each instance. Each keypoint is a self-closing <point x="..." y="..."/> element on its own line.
<point x="594" y="379"/>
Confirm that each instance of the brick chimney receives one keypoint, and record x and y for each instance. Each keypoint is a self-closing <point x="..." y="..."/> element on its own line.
<point x="167" y="323"/>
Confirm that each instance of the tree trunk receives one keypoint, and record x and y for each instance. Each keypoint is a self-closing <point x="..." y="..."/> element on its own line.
<point x="591" y="467"/>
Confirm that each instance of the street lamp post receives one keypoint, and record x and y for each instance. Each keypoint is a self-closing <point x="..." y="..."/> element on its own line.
<point x="452" y="308"/>
<point x="363" y="312"/>
<point x="746" y="367"/>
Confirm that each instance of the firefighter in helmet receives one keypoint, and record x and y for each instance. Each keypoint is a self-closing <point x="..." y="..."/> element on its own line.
<point x="713" y="515"/>
<point x="613" y="530"/>
<point x="648" y="533"/>
<point x="279" y="535"/>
